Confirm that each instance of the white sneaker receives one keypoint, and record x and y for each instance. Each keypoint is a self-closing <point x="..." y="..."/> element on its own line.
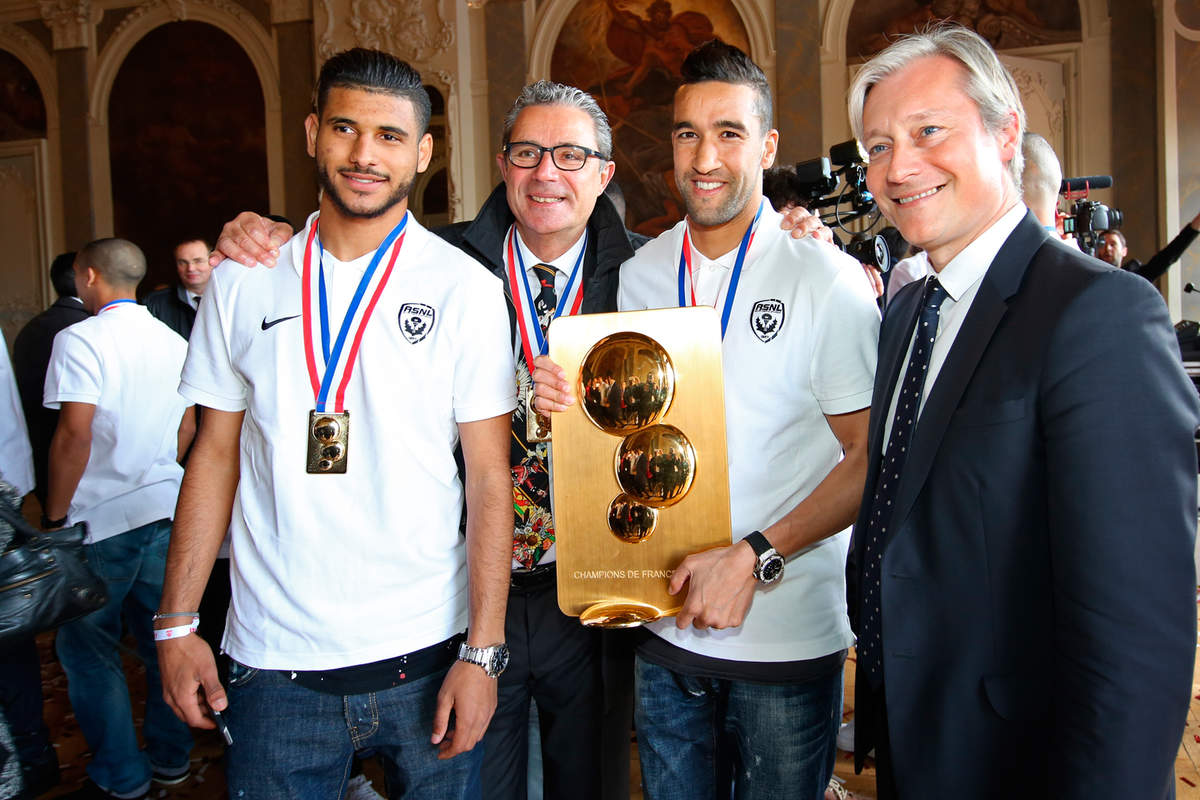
<point x="360" y="788"/>
<point x="845" y="737"/>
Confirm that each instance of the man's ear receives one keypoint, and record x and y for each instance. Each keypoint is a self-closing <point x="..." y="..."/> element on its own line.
<point x="1008" y="138"/>
<point x="424" y="152"/>
<point x="770" y="148"/>
<point x="311" y="125"/>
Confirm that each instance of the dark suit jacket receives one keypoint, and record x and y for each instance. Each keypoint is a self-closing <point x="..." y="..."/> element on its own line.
<point x="1039" y="616"/>
<point x="166" y="306"/>
<point x="31" y="357"/>
<point x="609" y="246"/>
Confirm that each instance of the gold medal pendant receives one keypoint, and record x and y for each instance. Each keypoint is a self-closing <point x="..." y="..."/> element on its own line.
<point x="537" y="426"/>
<point x="328" y="442"/>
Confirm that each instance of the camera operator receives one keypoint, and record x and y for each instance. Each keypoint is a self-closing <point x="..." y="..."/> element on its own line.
<point x="1112" y="248"/>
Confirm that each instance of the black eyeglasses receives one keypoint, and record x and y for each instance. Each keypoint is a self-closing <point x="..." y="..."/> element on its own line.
<point x="567" y="157"/>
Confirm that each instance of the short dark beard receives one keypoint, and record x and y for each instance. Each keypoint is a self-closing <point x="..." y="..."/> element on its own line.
<point x="398" y="195"/>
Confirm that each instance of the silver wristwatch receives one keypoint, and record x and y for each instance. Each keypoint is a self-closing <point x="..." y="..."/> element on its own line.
<point x="769" y="567"/>
<point x="493" y="658"/>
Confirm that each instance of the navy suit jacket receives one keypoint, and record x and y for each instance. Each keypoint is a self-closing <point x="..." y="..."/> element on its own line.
<point x="1038" y="588"/>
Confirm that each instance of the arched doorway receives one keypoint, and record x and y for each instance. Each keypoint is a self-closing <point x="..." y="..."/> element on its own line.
<point x="187" y="140"/>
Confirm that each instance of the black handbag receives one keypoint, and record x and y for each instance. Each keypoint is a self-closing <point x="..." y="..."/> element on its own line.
<point x="45" y="580"/>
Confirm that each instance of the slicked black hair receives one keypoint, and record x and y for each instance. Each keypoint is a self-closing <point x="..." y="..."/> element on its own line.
<point x="716" y="60"/>
<point x="62" y="274"/>
<point x="373" y="71"/>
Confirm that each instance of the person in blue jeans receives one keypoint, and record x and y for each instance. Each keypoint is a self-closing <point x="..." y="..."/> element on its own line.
<point x="114" y="465"/>
<point x="740" y="694"/>
<point x="131" y="565"/>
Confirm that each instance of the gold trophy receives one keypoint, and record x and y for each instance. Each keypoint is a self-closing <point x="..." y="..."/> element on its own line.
<point x="640" y="476"/>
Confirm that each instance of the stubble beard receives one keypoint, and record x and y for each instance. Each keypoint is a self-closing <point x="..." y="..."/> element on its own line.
<point x="727" y="211"/>
<point x="398" y="195"/>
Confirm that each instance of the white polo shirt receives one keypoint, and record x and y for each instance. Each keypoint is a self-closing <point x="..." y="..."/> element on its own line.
<point x="126" y="363"/>
<point x="332" y="571"/>
<point x="801" y="343"/>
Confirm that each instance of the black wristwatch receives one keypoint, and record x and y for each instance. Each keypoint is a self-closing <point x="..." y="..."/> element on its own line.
<point x="769" y="567"/>
<point x="493" y="658"/>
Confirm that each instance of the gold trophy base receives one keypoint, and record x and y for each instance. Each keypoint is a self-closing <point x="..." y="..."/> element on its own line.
<point x="621" y="614"/>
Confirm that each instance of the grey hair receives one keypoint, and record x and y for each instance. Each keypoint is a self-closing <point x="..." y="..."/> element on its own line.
<point x="549" y="93"/>
<point x="988" y="83"/>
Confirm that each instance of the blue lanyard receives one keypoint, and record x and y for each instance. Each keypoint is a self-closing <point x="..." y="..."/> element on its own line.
<point x="685" y="270"/>
<point x="331" y="359"/>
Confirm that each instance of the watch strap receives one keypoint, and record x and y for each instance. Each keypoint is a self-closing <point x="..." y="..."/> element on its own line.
<point x="758" y="543"/>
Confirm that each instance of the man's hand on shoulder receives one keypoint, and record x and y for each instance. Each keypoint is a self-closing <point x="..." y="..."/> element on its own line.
<point x="720" y="589"/>
<point x="801" y="223"/>
<point x="250" y="239"/>
<point x="471" y="695"/>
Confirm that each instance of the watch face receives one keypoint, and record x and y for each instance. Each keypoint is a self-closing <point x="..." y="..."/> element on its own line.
<point x="772" y="569"/>
<point x="499" y="660"/>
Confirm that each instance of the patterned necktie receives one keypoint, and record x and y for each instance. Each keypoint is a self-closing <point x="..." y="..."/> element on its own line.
<point x="870" y="642"/>
<point x="534" y="530"/>
<point x="546" y="300"/>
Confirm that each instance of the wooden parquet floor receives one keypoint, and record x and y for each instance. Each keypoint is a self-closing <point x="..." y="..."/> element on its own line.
<point x="208" y="777"/>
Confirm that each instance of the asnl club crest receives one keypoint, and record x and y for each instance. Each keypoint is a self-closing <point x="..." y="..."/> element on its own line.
<point x="416" y="321"/>
<point x="766" y="319"/>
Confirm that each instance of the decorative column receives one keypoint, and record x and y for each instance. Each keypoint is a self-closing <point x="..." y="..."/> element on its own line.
<point x="293" y="23"/>
<point x="798" y="80"/>
<point x="72" y="23"/>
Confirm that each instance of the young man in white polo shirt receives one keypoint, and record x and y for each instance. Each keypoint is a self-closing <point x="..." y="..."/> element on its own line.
<point x="338" y="385"/>
<point x="121" y="426"/>
<point x="744" y="685"/>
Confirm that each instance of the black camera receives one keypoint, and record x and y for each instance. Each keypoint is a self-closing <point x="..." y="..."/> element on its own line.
<point x="835" y="188"/>
<point x="1087" y="219"/>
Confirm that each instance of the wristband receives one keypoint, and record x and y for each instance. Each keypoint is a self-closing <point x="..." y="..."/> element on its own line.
<point x="170" y="614"/>
<point x="162" y="634"/>
<point x="48" y="523"/>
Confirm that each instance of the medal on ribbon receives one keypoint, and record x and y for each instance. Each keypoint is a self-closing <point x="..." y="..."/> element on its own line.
<point x="329" y="423"/>
<point x="533" y="339"/>
<point x="687" y="286"/>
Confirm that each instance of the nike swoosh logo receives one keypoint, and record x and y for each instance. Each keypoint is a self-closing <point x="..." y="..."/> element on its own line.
<point x="272" y="323"/>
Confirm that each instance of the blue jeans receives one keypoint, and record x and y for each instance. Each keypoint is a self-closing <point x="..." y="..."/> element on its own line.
<point x="132" y="566"/>
<point x="710" y="739"/>
<point x="293" y="743"/>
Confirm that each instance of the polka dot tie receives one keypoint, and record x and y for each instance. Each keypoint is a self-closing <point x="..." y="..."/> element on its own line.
<point x="870" y="641"/>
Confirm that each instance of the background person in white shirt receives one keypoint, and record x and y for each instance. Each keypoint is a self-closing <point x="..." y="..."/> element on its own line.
<point x="113" y="465"/>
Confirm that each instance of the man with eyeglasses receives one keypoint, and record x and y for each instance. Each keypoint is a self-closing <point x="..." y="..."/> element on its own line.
<point x="558" y="246"/>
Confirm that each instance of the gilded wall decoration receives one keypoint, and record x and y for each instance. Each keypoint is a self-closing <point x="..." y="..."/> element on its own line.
<point x="415" y="30"/>
<point x="1006" y="24"/>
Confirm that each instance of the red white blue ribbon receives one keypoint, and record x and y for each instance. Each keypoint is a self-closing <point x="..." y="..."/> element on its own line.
<point x="114" y="304"/>
<point x="522" y="296"/>
<point x="336" y="369"/>
<point x="687" y="281"/>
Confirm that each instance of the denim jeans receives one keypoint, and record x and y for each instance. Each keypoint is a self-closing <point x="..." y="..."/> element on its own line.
<point x="293" y="743"/>
<point x="710" y="739"/>
<point x="131" y="565"/>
